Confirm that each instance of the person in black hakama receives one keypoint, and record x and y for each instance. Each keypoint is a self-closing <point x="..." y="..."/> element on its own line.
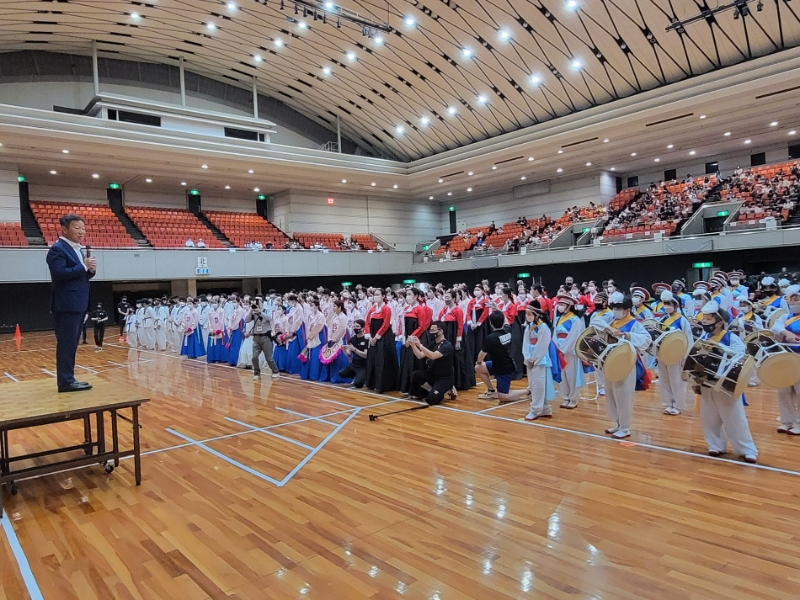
<point x="413" y="325"/>
<point x="476" y="316"/>
<point x="452" y="318"/>
<point x="381" y="353"/>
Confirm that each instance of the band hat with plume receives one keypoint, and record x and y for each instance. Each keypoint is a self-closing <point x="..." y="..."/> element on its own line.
<point x="660" y="287"/>
<point x="641" y="292"/>
<point x="565" y="299"/>
<point x="679" y="282"/>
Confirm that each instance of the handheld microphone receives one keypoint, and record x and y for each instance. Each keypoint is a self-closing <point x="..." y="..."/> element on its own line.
<point x="88" y="251"/>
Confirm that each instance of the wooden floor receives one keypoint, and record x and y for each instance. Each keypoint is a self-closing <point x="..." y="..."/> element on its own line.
<point x="436" y="504"/>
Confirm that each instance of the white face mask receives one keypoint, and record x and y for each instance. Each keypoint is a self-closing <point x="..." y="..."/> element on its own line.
<point x="378" y="299"/>
<point x="592" y="288"/>
<point x="610" y="290"/>
<point x="794" y="307"/>
<point x="561" y="308"/>
<point x="669" y="309"/>
<point x="636" y="301"/>
<point x="618" y="313"/>
<point x="746" y="308"/>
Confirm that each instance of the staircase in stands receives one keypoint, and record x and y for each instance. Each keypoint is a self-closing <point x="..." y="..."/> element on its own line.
<point x="30" y="227"/>
<point x="132" y="229"/>
<point x="213" y="228"/>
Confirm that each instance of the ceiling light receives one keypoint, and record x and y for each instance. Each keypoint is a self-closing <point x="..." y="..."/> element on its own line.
<point x="250" y="171"/>
<point x="656" y="160"/>
<point x="605" y="141"/>
<point x="559" y="170"/>
<point x="613" y="168"/>
<point x="95" y="176"/>
<point x="747" y="141"/>
<point x="227" y="187"/>
<point x="633" y="153"/>
<point x="451" y="110"/>
<point x="494" y="167"/>
<point x="692" y="152"/>
<point x="560" y="152"/>
<point x="183" y="183"/>
<point x="203" y="166"/>
<point x="65" y="151"/>
<point x="256" y="189"/>
<point x="148" y="180"/>
<point x="727" y="134"/>
<point x="536" y="80"/>
<point x="702" y="116"/>
<point x="449" y="193"/>
<point x="278" y="42"/>
<point x="576" y="64"/>
<point x="572" y="4"/>
<point x="466" y="52"/>
<point x="378" y="40"/>
<point x="424" y="121"/>
<point x="326" y="70"/>
<point x="792" y="132"/>
<point x="53" y="172"/>
<point x="373" y="184"/>
<point x="430" y="197"/>
<point x="469" y="174"/>
<point x="441" y="180"/>
<point x="482" y="99"/>
<point x="670" y="146"/>
<point x="530" y="159"/>
<point x="134" y="15"/>
<point x="399" y="130"/>
<point x="394" y="186"/>
<point x="302" y="24"/>
<point x="523" y="178"/>
<point x="344" y="180"/>
<point x="588" y="164"/>
<point x="211" y="26"/>
<point x="329" y="5"/>
<point x="504" y="35"/>
<point x="469" y="189"/>
<point x="257" y="57"/>
<point x="773" y="124"/>
<point x="410" y="22"/>
<point x="351" y="55"/>
<point x="231" y="6"/>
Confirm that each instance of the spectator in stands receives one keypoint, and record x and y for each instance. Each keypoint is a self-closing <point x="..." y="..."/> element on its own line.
<point x="492" y="228"/>
<point x="200" y="243"/>
<point x="189" y="243"/>
<point x="379" y="248"/>
<point x="269" y="246"/>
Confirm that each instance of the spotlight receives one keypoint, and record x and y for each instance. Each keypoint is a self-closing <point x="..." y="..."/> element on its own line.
<point x="258" y="58"/>
<point x="302" y="25"/>
<point x="378" y="40"/>
<point x="572" y="4"/>
<point x="482" y="99"/>
<point x="399" y="130"/>
<point x="536" y="80"/>
<point x="466" y="52"/>
<point x="409" y="21"/>
<point x="326" y="70"/>
<point x="504" y="35"/>
<point x="576" y="64"/>
<point x="351" y="55"/>
<point x="424" y="121"/>
<point x="451" y="110"/>
<point x="329" y="5"/>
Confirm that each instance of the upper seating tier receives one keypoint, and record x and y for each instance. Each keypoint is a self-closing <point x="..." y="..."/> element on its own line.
<point x="103" y="228"/>
<point x="11" y="234"/>
<point x="171" y="227"/>
<point x="244" y="228"/>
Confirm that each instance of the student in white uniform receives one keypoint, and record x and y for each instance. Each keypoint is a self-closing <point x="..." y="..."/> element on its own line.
<point x="567" y="328"/>
<point x="600" y="320"/>
<point x="536" y="341"/>
<point x="202" y="318"/>
<point x="787" y="329"/>
<point x="723" y="417"/>
<point x="148" y="330"/>
<point x="131" y="329"/>
<point x="619" y="395"/>
<point x="162" y="316"/>
<point x="671" y="384"/>
<point x="140" y="333"/>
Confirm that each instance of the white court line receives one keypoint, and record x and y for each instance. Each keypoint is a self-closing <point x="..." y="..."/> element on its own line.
<point x="87" y="369"/>
<point x="272" y="433"/>
<point x="22" y="561"/>
<point x="496" y="406"/>
<point x="324" y="400"/>
<point x="11" y="377"/>
<point x="312" y="417"/>
<point x="48" y="372"/>
<point x="552" y="427"/>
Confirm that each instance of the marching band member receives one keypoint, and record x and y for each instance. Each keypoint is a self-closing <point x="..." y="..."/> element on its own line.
<point x="192" y="345"/>
<point x="679" y="291"/>
<point x="672" y="386"/>
<point x="658" y="305"/>
<point x="601" y="319"/>
<point x="640" y="297"/>
<point x="718" y="285"/>
<point x="568" y="327"/>
<point x="700" y="297"/>
<point x="738" y="291"/>
<point x="746" y="323"/>
<point x="723" y="417"/>
<point x="538" y="350"/>
<point x="381" y="369"/>
<point x="787" y="329"/>
<point x="773" y="299"/>
<point x="619" y="395"/>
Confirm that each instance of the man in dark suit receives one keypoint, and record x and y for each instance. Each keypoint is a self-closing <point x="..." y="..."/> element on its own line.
<point x="70" y="272"/>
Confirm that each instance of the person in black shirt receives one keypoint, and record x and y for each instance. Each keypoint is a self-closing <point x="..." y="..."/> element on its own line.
<point x="497" y="346"/>
<point x="122" y="313"/>
<point x="99" y="319"/>
<point x="438" y="378"/>
<point x="357" y="348"/>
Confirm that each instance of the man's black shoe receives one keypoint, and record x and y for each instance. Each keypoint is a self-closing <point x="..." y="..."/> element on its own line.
<point x="78" y="386"/>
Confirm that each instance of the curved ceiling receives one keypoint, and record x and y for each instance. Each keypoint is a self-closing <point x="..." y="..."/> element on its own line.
<point x="449" y="73"/>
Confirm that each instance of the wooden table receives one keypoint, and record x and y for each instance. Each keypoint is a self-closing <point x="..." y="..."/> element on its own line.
<point x="35" y="403"/>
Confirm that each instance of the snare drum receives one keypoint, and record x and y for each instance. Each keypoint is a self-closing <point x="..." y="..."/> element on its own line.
<point x="776" y="365"/>
<point x="615" y="358"/>
<point x="719" y="368"/>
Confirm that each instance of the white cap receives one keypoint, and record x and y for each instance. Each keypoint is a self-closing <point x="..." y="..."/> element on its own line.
<point x="710" y="308"/>
<point x="667" y="296"/>
<point x="792" y="290"/>
<point x="699" y="292"/>
<point x="784" y="283"/>
<point x="616" y="298"/>
<point x="768" y="280"/>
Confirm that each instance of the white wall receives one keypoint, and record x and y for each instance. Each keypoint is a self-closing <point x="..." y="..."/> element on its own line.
<point x="77" y="94"/>
<point x="504" y="208"/>
<point x="139" y="198"/>
<point x="56" y="193"/>
<point x="229" y="204"/>
<point x="9" y="194"/>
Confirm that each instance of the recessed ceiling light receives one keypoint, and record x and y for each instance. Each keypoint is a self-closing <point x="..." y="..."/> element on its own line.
<point x="588" y="164"/>
<point x="504" y="35"/>
<point x="326" y="70"/>
<point x="302" y="24"/>
<point x="633" y="153"/>
<point x="605" y="141"/>
<point x="441" y="180"/>
<point x="773" y="124"/>
<point x="329" y="5"/>
<point x="692" y="152"/>
<point x="410" y="22"/>
<point x="613" y="168"/>
<point x="399" y="130"/>
<point x="430" y="197"/>
<point x="278" y="42"/>
<point x="449" y="193"/>
<point x="227" y="187"/>
<point x="394" y="186"/>
<point x="134" y="15"/>
<point x="656" y="160"/>
<point x="466" y="52"/>
<point x="530" y="159"/>
<point x="560" y="152"/>
<point x="53" y="172"/>
<point x="424" y="121"/>
<point x="351" y="55"/>
<point x="559" y="170"/>
<point x="211" y="26"/>
<point x="470" y="174"/>
<point x="494" y="167"/>
<point x="95" y="176"/>
<point x="576" y="64"/>
<point x="255" y="189"/>
<point x="702" y="116"/>
<point x="344" y="180"/>
<point x="747" y="141"/>
<point x="727" y="134"/>
<point x="572" y="4"/>
<point x="482" y="99"/>
<point x="523" y="178"/>
<point x="469" y="189"/>
<point x="148" y="180"/>
<point x="792" y="132"/>
<point x="670" y="146"/>
<point x="451" y="110"/>
<point x="250" y="171"/>
<point x="231" y="6"/>
<point x="183" y="183"/>
<point x="378" y="40"/>
<point x="536" y="80"/>
<point x="65" y="151"/>
<point x="203" y="166"/>
<point x="373" y="184"/>
<point x="257" y="57"/>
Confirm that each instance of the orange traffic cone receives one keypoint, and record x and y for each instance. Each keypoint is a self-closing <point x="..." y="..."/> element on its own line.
<point x="17" y="334"/>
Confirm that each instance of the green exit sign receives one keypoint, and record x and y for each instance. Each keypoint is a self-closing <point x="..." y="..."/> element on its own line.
<point x="522" y="275"/>
<point x="723" y="213"/>
<point x="113" y="186"/>
<point x="425" y="248"/>
<point x="585" y="229"/>
<point x="347" y="283"/>
<point x="703" y="265"/>
<point x="452" y="208"/>
<point x="409" y="281"/>
<point x="21" y="178"/>
<point x="194" y="192"/>
<point x="261" y="197"/>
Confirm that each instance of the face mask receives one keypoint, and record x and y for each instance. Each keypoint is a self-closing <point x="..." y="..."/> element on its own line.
<point x="795" y="307"/>
<point x="378" y="299"/>
<point x="709" y="328"/>
<point x="746" y="309"/>
<point x="592" y="288"/>
<point x="734" y="283"/>
<point x="637" y="301"/>
<point x="610" y="290"/>
<point x="675" y="289"/>
<point x="669" y="309"/>
<point x="560" y="308"/>
<point x="618" y="313"/>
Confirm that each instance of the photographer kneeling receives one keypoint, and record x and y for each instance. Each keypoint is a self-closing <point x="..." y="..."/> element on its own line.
<point x="438" y="377"/>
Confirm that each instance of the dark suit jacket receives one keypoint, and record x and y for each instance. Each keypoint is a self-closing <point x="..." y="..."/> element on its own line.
<point x="70" y="279"/>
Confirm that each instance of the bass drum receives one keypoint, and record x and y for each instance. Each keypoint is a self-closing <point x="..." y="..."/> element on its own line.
<point x="616" y="359"/>
<point x="671" y="347"/>
<point x="718" y="368"/>
<point x="773" y="315"/>
<point x="776" y="365"/>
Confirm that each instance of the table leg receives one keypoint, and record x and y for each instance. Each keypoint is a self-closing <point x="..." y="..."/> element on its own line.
<point x="87" y="435"/>
<point x="4" y="452"/>
<point x="101" y="433"/>
<point x="137" y="455"/>
<point x="115" y="437"/>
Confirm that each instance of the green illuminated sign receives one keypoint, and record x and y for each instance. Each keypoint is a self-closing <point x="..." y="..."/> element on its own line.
<point x="704" y="265"/>
<point x="452" y="208"/>
<point x="347" y="283"/>
<point x="523" y="274"/>
<point x="194" y="192"/>
<point x="585" y="229"/>
<point x="21" y="178"/>
<point x="261" y="197"/>
<point x="425" y="248"/>
<point x="409" y="281"/>
<point x="723" y="213"/>
<point x="113" y="186"/>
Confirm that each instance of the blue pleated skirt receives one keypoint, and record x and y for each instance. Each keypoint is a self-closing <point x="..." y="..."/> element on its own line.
<point x="193" y="345"/>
